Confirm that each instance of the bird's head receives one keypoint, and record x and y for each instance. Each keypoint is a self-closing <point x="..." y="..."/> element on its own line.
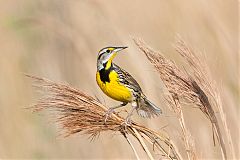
<point x="106" y="55"/>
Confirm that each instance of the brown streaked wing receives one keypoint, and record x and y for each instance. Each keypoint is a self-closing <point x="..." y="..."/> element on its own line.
<point x="126" y="79"/>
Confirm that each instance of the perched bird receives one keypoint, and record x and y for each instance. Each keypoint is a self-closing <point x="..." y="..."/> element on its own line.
<point x="121" y="86"/>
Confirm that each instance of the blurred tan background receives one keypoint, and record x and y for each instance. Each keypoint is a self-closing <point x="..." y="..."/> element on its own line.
<point x="59" y="40"/>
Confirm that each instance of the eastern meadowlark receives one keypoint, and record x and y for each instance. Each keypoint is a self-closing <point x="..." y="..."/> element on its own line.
<point x="121" y="86"/>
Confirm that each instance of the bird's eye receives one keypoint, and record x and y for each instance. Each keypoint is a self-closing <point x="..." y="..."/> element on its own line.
<point x="108" y="51"/>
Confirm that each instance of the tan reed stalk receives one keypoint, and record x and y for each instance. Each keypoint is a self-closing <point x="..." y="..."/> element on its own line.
<point x="78" y="112"/>
<point x="132" y="146"/>
<point x="202" y="76"/>
<point x="143" y="144"/>
<point x="194" y="88"/>
<point x="170" y="75"/>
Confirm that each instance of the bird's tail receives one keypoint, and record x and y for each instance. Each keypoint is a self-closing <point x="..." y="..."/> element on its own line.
<point x="146" y="108"/>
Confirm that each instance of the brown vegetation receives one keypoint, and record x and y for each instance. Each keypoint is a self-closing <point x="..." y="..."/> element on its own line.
<point x="194" y="87"/>
<point x="59" y="40"/>
<point x="80" y="113"/>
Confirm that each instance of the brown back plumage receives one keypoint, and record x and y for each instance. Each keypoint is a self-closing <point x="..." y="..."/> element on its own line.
<point x="145" y="108"/>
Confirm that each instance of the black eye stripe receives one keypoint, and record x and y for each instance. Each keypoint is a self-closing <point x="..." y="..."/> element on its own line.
<point x="107" y="51"/>
<point x="100" y="55"/>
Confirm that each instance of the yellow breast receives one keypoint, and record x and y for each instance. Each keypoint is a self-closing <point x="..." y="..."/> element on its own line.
<point x="113" y="88"/>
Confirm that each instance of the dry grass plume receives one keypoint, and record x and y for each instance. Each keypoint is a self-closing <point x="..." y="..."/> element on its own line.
<point x="193" y="86"/>
<point x="78" y="112"/>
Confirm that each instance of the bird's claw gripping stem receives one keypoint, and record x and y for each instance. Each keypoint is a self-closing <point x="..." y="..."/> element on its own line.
<point x="108" y="114"/>
<point x="127" y="122"/>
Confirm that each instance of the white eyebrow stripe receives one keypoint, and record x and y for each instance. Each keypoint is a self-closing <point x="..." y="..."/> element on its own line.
<point x="101" y="53"/>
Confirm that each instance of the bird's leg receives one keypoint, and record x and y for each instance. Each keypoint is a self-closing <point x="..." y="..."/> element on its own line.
<point x="111" y="110"/>
<point x="128" y="120"/>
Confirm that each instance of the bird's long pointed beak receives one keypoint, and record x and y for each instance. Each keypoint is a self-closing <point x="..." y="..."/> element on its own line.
<point x="117" y="49"/>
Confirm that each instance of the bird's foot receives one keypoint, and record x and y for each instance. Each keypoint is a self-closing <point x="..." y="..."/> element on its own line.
<point x="127" y="122"/>
<point x="108" y="114"/>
